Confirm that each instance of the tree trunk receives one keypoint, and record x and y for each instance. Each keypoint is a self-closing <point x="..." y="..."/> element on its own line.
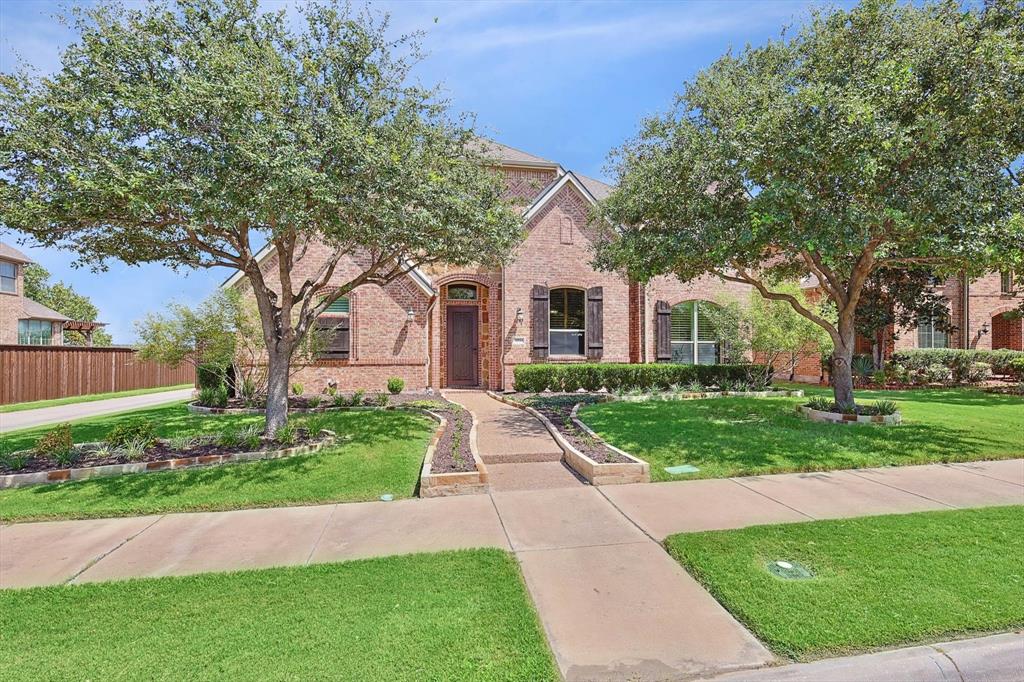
<point x="842" y="371"/>
<point x="277" y="391"/>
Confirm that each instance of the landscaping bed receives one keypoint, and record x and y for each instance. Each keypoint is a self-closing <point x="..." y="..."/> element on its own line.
<point x="374" y="619"/>
<point x="378" y="452"/>
<point x="870" y="582"/>
<point x="452" y="465"/>
<point x="317" y="403"/>
<point x="558" y="408"/>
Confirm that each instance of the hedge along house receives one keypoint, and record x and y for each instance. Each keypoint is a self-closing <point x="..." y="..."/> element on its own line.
<point x="445" y="326"/>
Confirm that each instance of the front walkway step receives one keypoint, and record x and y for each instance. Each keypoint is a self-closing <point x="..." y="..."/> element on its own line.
<point x="505" y="434"/>
<point x="533" y="476"/>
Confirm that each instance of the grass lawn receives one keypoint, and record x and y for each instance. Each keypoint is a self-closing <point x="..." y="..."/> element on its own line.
<point x="878" y="581"/>
<point x="383" y="454"/>
<point x="445" y="616"/>
<point x="745" y="436"/>
<point x="36" y="404"/>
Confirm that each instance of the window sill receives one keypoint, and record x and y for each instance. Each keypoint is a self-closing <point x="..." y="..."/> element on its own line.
<point x="567" y="358"/>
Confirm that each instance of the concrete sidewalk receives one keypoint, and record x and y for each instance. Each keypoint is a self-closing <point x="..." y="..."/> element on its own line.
<point x="12" y="421"/>
<point x="613" y="603"/>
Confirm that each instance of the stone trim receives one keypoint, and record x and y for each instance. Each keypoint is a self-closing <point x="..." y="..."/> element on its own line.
<point x="596" y="473"/>
<point x="456" y="482"/>
<point x="196" y="408"/>
<point x="836" y="418"/>
<point x="107" y="470"/>
<point x="798" y="393"/>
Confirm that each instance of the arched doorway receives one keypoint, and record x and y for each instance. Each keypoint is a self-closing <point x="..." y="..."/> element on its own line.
<point x="1007" y="331"/>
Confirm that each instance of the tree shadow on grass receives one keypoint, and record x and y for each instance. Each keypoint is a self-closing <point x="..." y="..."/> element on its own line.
<point x="743" y="436"/>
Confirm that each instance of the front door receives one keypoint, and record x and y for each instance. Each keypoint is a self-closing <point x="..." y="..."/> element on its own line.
<point x="462" y="346"/>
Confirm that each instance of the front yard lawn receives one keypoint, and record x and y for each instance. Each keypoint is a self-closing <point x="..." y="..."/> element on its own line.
<point x="445" y="616"/>
<point x="382" y="454"/>
<point x="878" y="581"/>
<point x="748" y="436"/>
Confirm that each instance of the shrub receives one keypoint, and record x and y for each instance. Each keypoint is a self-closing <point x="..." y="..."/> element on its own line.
<point x="297" y="388"/>
<point x="535" y="378"/>
<point x="957" y="360"/>
<point x="15" y="460"/>
<point x="884" y="407"/>
<point x="979" y="372"/>
<point x="937" y="374"/>
<point x="213" y="396"/>
<point x="862" y="366"/>
<point x="1016" y="368"/>
<point x="357" y="398"/>
<point x="340" y="400"/>
<point x="314" y="402"/>
<point x="134" y="450"/>
<point x="286" y="435"/>
<point x="125" y="433"/>
<point x="248" y="391"/>
<point x="879" y="378"/>
<point x="210" y="376"/>
<point x="57" y="444"/>
<point x="396" y="385"/>
<point x="820" y="403"/>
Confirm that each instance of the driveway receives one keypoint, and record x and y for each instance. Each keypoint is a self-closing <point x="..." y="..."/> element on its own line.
<point x="12" y="421"/>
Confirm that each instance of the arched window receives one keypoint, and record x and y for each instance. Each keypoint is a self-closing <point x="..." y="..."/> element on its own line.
<point x="933" y="332"/>
<point x="693" y="336"/>
<point x="461" y="292"/>
<point x="567" y="322"/>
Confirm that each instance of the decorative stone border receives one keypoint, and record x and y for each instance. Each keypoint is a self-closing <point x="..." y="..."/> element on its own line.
<point x="797" y="393"/>
<point x="596" y="473"/>
<point x="837" y="418"/>
<point x="447" y="484"/>
<point x="107" y="470"/>
<point x="196" y="408"/>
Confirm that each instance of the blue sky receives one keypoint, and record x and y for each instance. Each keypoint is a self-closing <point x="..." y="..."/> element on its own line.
<point x="564" y="80"/>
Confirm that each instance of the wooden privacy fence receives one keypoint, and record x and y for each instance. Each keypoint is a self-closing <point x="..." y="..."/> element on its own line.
<point x="44" y="372"/>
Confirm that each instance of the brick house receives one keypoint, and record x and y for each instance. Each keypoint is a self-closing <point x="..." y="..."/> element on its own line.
<point x="22" y="320"/>
<point x="446" y="326"/>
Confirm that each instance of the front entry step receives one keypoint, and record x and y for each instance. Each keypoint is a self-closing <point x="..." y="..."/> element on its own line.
<point x="521" y="457"/>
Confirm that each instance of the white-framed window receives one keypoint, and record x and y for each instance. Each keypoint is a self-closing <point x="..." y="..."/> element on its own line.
<point x="35" y="332"/>
<point x="933" y="332"/>
<point x="567" y="321"/>
<point x="8" y="277"/>
<point x="693" y="337"/>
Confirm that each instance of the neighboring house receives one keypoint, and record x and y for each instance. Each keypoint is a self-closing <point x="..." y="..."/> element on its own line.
<point x="24" y="321"/>
<point x="447" y="326"/>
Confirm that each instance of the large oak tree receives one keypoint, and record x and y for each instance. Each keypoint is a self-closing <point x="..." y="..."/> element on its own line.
<point x="194" y="132"/>
<point x="884" y="137"/>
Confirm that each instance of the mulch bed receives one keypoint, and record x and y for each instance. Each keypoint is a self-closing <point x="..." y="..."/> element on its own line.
<point x="557" y="407"/>
<point x="90" y="455"/>
<point x="453" y="453"/>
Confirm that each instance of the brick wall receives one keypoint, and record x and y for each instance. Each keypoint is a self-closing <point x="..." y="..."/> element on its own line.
<point x="522" y="185"/>
<point x="557" y="253"/>
<point x="384" y="341"/>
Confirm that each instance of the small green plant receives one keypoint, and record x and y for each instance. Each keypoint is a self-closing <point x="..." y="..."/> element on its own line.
<point x="357" y="397"/>
<point x="396" y="385"/>
<point x="695" y="387"/>
<point x="183" y="443"/>
<point x="286" y="435"/>
<point x="382" y="399"/>
<point x="57" y="445"/>
<point x="213" y="396"/>
<point x="103" y="452"/>
<point x="885" y="407"/>
<point x="879" y="378"/>
<point x="297" y="389"/>
<point x="820" y="403"/>
<point x="340" y="400"/>
<point x="332" y="391"/>
<point x="314" y="402"/>
<point x="250" y="436"/>
<point x="124" y="433"/>
<point x="15" y="460"/>
<point x="862" y="366"/>
<point x="134" y="450"/>
<point x="228" y="439"/>
<point x="248" y="392"/>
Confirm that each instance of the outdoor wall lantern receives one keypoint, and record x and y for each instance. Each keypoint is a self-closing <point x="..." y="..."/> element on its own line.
<point x="519" y="316"/>
<point x="984" y="329"/>
<point x="410" y="314"/>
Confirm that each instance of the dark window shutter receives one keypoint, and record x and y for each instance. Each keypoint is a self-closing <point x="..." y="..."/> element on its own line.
<point x="338" y="338"/>
<point x="539" y="321"/>
<point x="595" y="323"/>
<point x="662" y="331"/>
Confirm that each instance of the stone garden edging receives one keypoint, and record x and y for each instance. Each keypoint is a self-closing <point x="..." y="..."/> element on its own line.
<point x="596" y="473"/>
<point x="195" y="408"/>
<point x="108" y="470"/>
<point x="837" y="418"/>
<point x="447" y="484"/>
<point x="795" y="393"/>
